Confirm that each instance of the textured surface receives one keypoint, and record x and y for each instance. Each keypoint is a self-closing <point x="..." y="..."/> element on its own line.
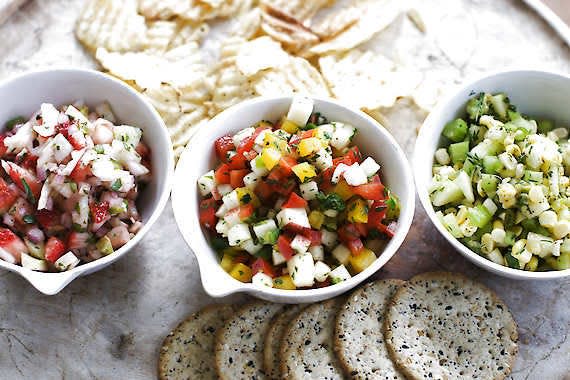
<point x="239" y="345"/>
<point x="443" y="325"/>
<point x="186" y="352"/>
<point x="359" y="337"/>
<point x="111" y="324"/>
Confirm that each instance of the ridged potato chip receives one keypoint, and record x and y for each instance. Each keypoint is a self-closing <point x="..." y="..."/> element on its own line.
<point x="195" y="10"/>
<point x="294" y="36"/>
<point x="259" y="54"/>
<point x="113" y="25"/>
<point x="301" y="10"/>
<point x="164" y="35"/>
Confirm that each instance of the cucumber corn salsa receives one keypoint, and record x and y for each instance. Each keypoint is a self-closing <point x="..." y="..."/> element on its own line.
<point x="501" y="186"/>
<point x="70" y="179"/>
<point x="294" y="204"/>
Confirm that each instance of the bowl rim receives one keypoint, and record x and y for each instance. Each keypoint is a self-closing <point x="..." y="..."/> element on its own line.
<point x="66" y="277"/>
<point x="419" y="155"/>
<point x="298" y="295"/>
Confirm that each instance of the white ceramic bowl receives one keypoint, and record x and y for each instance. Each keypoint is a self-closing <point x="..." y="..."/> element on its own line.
<point x="199" y="157"/>
<point x="23" y="95"/>
<point x="536" y="93"/>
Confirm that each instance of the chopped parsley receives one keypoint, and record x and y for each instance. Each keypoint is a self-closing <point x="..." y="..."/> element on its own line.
<point x="116" y="185"/>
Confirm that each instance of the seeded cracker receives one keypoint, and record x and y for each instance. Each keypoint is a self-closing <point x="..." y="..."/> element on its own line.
<point x="446" y="326"/>
<point x="186" y="352"/>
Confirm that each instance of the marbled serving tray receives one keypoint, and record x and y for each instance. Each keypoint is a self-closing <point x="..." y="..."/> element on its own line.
<point x="110" y="325"/>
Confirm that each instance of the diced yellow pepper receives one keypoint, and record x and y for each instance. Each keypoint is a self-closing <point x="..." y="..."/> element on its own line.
<point x="284" y="282"/>
<point x="246" y="196"/>
<point x="304" y="171"/>
<point x="362" y="261"/>
<point x="241" y="272"/>
<point x="316" y="219"/>
<point x="343" y="190"/>
<point x="270" y="157"/>
<point x="227" y="262"/>
<point x="309" y="146"/>
<point x="289" y="127"/>
<point x="357" y="211"/>
<point x="272" y="141"/>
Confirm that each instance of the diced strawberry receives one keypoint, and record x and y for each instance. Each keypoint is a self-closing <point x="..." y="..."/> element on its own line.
<point x="260" y="265"/>
<point x="77" y="240"/>
<point x="370" y="191"/>
<point x="236" y="177"/>
<point x="263" y="190"/>
<point x="100" y="212"/>
<point x="54" y="249"/>
<point x="48" y="218"/>
<point x="347" y="233"/>
<point x="222" y="174"/>
<point x="3" y="148"/>
<point x="284" y="246"/>
<point x="355" y="246"/>
<point x="29" y="162"/>
<point x="285" y="165"/>
<point x="81" y="172"/>
<point x="284" y="188"/>
<point x="314" y="236"/>
<point x="26" y="181"/>
<point x="7" y="196"/>
<point x="362" y="229"/>
<point x="250" y="155"/>
<point x="237" y="161"/>
<point x="247" y="144"/>
<point x="295" y="201"/>
<point x="223" y="145"/>
<point x="11" y="245"/>
<point x="306" y="134"/>
<point x="207" y="213"/>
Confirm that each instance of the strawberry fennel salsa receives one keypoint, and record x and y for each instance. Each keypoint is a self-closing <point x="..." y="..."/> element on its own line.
<point x="68" y="186"/>
<point x="295" y="204"/>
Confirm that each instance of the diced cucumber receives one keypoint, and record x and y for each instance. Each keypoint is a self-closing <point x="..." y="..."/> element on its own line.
<point x="532" y="176"/>
<point x="455" y="130"/>
<point x="463" y="180"/>
<point x="479" y="216"/>
<point x="545" y="126"/>
<point x="458" y="151"/>
<point x="477" y="106"/>
<point x="450" y="223"/>
<point x="104" y="246"/>
<point x="447" y="192"/>
<point x="486" y="148"/>
<point x="500" y="104"/>
<point x="489" y="184"/>
<point x="492" y="164"/>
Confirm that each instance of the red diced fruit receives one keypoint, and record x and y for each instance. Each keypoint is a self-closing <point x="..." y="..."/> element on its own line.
<point x="362" y="229"/>
<point x="207" y="213"/>
<point x="247" y="144"/>
<point x="260" y="265"/>
<point x="285" y="166"/>
<point x="223" y="174"/>
<point x="263" y="190"/>
<point x="12" y="245"/>
<point x="348" y="232"/>
<point x="355" y="246"/>
<point x="237" y="161"/>
<point x="236" y="177"/>
<point x="99" y="211"/>
<point x="246" y="211"/>
<point x="353" y="155"/>
<point x="295" y="201"/>
<point x="284" y="247"/>
<point x="223" y="145"/>
<point x="47" y="218"/>
<point x="7" y="197"/>
<point x="376" y="213"/>
<point x="389" y="230"/>
<point x="54" y="249"/>
<point x="370" y="191"/>
<point x="26" y="181"/>
<point x="80" y="173"/>
<point x="314" y="236"/>
<point x="3" y="148"/>
<point x="77" y="240"/>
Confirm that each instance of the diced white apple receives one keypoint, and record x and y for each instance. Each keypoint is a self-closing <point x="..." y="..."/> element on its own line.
<point x="278" y="258"/>
<point x="266" y="231"/>
<point x="339" y="274"/>
<point x="341" y="254"/>
<point x="66" y="262"/>
<point x="238" y="234"/>
<point x="250" y="247"/>
<point x="329" y="238"/>
<point x="231" y="200"/>
<point x="262" y="280"/>
<point x="369" y="166"/>
<point x="324" y="159"/>
<point x="224" y="189"/>
<point x="206" y="183"/>
<point x="355" y="176"/>
<point x="318" y="252"/>
<point x="50" y="118"/>
<point x="77" y="115"/>
<point x="242" y="135"/>
<point x="250" y="180"/>
<point x="258" y="167"/>
<point x="127" y="134"/>
<point x="302" y="269"/>
<point x="232" y="217"/>
<point x="300" y="244"/>
<point x="222" y="227"/>
<point x="293" y="215"/>
<point x="309" y="190"/>
<point x="222" y="211"/>
<point x="61" y="147"/>
<point x="300" y="110"/>
<point x="342" y="135"/>
<point x="33" y="264"/>
<point x="322" y="271"/>
<point x="340" y="169"/>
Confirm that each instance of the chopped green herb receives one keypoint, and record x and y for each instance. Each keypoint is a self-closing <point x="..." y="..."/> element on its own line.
<point x="29" y="219"/>
<point x="10" y="124"/>
<point x="116" y="185"/>
<point x="28" y="191"/>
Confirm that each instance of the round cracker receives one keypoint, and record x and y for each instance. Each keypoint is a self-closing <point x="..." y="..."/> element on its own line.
<point x="446" y="326"/>
<point x="307" y="351"/>
<point x="359" y="340"/>
<point x="273" y="340"/>
<point x="186" y="352"/>
<point x="239" y="344"/>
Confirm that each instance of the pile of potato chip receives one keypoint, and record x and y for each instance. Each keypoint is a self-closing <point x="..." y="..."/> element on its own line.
<point x="268" y="48"/>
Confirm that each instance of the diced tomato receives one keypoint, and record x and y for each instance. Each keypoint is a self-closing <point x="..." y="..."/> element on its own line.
<point x="248" y="143"/>
<point x="25" y="180"/>
<point x="263" y="190"/>
<point x="250" y="155"/>
<point x="99" y="211"/>
<point x="362" y="229"/>
<point x="246" y="211"/>
<point x="261" y="265"/>
<point x="376" y="213"/>
<point x="12" y="244"/>
<point x="284" y="246"/>
<point x="222" y="174"/>
<point x="285" y="166"/>
<point x="7" y="196"/>
<point x="284" y="188"/>
<point x="208" y="213"/>
<point x="54" y="249"/>
<point x="324" y="178"/>
<point x="274" y="177"/>
<point x="295" y="228"/>
<point x="355" y="246"/>
<point x="348" y="232"/>
<point x="29" y="162"/>
<point x="371" y="191"/>
<point x="353" y="155"/>
<point x="237" y="161"/>
<point x="389" y="230"/>
<point x="306" y="134"/>
<point x="236" y="177"/>
<point x="81" y="172"/>
<point x="3" y="148"/>
<point x="314" y="236"/>
<point x="375" y="179"/>
<point x="295" y="201"/>
<point x="223" y="145"/>
<point x="48" y="218"/>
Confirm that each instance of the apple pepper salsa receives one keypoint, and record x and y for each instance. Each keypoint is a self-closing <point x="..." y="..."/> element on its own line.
<point x="295" y="204"/>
